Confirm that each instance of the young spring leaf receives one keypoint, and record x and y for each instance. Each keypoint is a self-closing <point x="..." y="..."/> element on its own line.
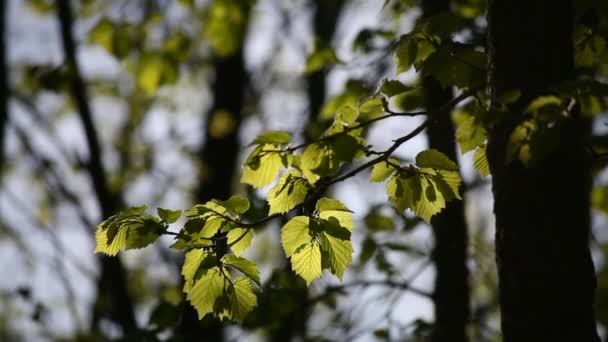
<point x="404" y="191"/>
<point x="236" y="204"/>
<point x="242" y="298"/>
<point x="245" y="266"/>
<point x="262" y="166"/>
<point x="239" y="240"/>
<point x="435" y="160"/>
<point x="381" y="171"/>
<point x="338" y="251"/>
<point x="111" y="249"/>
<point x="206" y="291"/>
<point x="328" y="207"/>
<point x="289" y="192"/>
<point x="295" y="234"/>
<point x="306" y="261"/>
<point x="470" y="132"/>
<point x="193" y="261"/>
<point x="272" y="137"/>
<point x="169" y="216"/>
<point x="480" y="161"/>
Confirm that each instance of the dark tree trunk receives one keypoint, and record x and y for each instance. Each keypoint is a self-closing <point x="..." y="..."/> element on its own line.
<point x="451" y="294"/>
<point x="324" y="23"/>
<point x="113" y="299"/>
<point x="545" y="270"/>
<point x="4" y="77"/>
<point x="219" y="157"/>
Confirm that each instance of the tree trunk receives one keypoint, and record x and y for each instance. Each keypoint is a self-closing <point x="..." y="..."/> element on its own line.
<point x="4" y="77"/>
<point x="545" y="270"/>
<point x="113" y="300"/>
<point x="219" y="157"/>
<point x="324" y="23"/>
<point x="451" y="295"/>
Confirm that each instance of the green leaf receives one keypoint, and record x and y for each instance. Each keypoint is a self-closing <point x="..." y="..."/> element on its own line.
<point x="543" y="101"/>
<point x="245" y="266"/>
<point x="370" y="108"/>
<point x="272" y="137"/>
<point x="206" y="291"/>
<point x="470" y="133"/>
<point x="288" y="193"/>
<point x="211" y="227"/>
<point x="245" y="235"/>
<point x="142" y="233"/>
<point x="344" y="217"/>
<point x="262" y="166"/>
<point x="480" y="161"/>
<point x="393" y="87"/>
<point x="318" y="160"/>
<point x="295" y="234"/>
<point x="325" y="204"/>
<point x="435" y="160"/>
<point x="406" y="53"/>
<point x="382" y="170"/>
<point x="168" y="215"/>
<point x="306" y="262"/>
<point x="431" y="202"/>
<point x="236" y="204"/>
<point x="193" y="260"/>
<point x="101" y="239"/>
<point x="320" y="58"/>
<point x="242" y="298"/>
<point x="338" y="251"/>
<point x="403" y="191"/>
<point x="377" y="221"/>
<point x="367" y="251"/>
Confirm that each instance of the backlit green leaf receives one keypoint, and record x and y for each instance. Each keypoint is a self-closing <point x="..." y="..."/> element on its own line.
<point x="470" y="133"/>
<point x="393" y="87"/>
<point x="169" y="216"/>
<point x="295" y="234"/>
<point x="306" y="262"/>
<point x="273" y="137"/>
<point x="118" y="243"/>
<point x="480" y="161"/>
<point x="245" y="266"/>
<point x="338" y="251"/>
<point x="193" y="260"/>
<point x="236" y="204"/>
<point x="242" y="299"/>
<point x="206" y="291"/>
<point x="239" y="240"/>
<point x="289" y="192"/>
<point x="262" y="166"/>
<point x="435" y="160"/>
<point x="403" y="191"/>
<point x="382" y="170"/>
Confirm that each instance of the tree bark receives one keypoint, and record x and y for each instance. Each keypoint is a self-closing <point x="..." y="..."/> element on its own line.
<point x="545" y="270"/>
<point x="451" y="294"/>
<point x="219" y="156"/>
<point x="325" y="20"/>
<point x="113" y="300"/>
<point x="4" y="77"/>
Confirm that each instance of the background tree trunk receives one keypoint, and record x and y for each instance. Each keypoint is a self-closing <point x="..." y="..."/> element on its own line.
<point x="113" y="300"/>
<point x="451" y="294"/>
<point x="325" y="20"/>
<point x="545" y="270"/>
<point x="219" y="157"/>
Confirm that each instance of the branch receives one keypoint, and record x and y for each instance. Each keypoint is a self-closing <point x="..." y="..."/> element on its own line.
<point x="391" y="114"/>
<point x="81" y="98"/>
